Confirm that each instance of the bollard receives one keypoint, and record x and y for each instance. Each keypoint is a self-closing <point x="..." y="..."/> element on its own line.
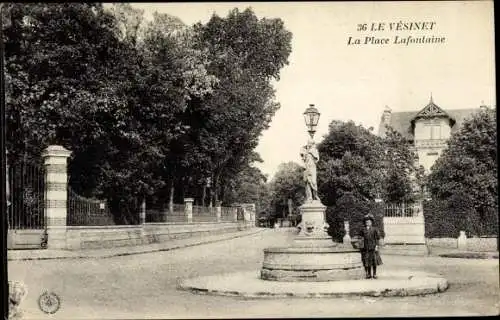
<point x="347" y="237"/>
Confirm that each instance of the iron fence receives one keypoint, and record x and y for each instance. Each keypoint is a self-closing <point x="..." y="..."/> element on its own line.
<point x="227" y="214"/>
<point x="170" y="215"/>
<point x="26" y="196"/>
<point x="204" y="214"/>
<point x="84" y="211"/>
<point x="402" y="210"/>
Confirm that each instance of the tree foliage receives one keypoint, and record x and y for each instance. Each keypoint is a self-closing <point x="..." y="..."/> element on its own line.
<point x="468" y="166"/>
<point x="350" y="162"/>
<point x="352" y="209"/>
<point x="401" y="170"/>
<point x="245" y="53"/>
<point x="249" y="186"/>
<point x="146" y="107"/>
<point x="287" y="184"/>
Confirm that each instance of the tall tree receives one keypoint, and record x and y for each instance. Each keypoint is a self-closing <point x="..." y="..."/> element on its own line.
<point x="350" y="162"/>
<point x="245" y="53"/>
<point x="114" y="103"/>
<point x="469" y="166"/>
<point x="402" y="174"/>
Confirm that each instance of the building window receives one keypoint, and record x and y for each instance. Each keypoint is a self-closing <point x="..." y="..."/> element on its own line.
<point x="433" y="130"/>
<point x="432" y="153"/>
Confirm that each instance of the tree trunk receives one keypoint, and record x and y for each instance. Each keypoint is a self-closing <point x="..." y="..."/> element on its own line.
<point x="215" y="189"/>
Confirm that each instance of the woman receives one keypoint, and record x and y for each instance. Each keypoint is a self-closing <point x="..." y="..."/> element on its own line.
<point x="369" y="251"/>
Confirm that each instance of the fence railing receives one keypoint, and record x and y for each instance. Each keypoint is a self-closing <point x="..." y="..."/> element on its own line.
<point x="175" y="214"/>
<point x="87" y="212"/>
<point x="403" y="210"/>
<point x="227" y="214"/>
<point x="204" y="214"/>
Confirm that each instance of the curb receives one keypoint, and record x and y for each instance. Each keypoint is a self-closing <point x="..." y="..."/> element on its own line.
<point x="470" y="255"/>
<point x="104" y="256"/>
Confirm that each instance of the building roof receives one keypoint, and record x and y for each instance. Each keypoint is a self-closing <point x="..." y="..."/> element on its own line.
<point x="401" y="121"/>
<point x="432" y="110"/>
<point x="460" y="115"/>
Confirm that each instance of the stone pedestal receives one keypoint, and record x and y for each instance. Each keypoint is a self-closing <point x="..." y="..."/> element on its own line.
<point x="188" y="209"/>
<point x="56" y="182"/>
<point x="313" y="230"/>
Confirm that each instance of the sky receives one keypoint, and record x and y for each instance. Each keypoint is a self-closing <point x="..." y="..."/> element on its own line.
<point x="355" y="82"/>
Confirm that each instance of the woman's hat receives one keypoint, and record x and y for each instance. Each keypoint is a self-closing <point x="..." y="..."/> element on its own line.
<point x="368" y="217"/>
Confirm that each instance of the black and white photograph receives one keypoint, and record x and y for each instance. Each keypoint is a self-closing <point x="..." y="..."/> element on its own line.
<point x="200" y="160"/>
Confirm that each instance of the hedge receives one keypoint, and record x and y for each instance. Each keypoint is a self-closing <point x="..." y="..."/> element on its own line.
<point x="353" y="210"/>
<point x="446" y="218"/>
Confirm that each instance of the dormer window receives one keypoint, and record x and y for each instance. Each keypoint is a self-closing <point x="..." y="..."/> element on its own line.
<point x="432" y="129"/>
<point x="431" y="118"/>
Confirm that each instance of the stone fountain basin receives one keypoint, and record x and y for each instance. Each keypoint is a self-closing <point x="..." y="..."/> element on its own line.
<point x="311" y="263"/>
<point x="391" y="282"/>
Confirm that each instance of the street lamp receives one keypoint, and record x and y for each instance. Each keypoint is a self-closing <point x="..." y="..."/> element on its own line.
<point x="311" y="116"/>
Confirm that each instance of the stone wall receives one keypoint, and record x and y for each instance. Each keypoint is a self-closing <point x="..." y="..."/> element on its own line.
<point x="472" y="244"/>
<point x="78" y="238"/>
<point x="401" y="230"/>
<point x="25" y="239"/>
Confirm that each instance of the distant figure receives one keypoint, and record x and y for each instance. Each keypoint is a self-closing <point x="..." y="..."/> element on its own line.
<point x="369" y="249"/>
<point x="310" y="156"/>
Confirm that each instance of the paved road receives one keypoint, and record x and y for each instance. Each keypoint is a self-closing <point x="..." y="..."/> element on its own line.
<point x="145" y="286"/>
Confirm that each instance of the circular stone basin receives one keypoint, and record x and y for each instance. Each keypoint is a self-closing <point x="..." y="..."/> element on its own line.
<point x="248" y="284"/>
<point x="311" y="264"/>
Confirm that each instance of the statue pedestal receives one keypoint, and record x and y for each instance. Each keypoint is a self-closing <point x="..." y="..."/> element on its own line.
<point x="313" y="226"/>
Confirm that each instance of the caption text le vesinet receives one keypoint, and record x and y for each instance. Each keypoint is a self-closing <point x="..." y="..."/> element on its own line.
<point x="401" y="33"/>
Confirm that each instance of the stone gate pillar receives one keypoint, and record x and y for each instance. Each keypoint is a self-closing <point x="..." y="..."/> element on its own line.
<point x="188" y="209"/>
<point x="235" y="213"/>
<point x="218" y="211"/>
<point x="462" y="241"/>
<point x="56" y="186"/>
<point x="142" y="212"/>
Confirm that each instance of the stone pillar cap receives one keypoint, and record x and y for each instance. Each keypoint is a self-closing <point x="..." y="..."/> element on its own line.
<point x="56" y="151"/>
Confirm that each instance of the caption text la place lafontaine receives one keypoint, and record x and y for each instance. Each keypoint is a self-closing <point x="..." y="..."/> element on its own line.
<point x="395" y="40"/>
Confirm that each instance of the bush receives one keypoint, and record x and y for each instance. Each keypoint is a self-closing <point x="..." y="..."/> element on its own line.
<point x="446" y="218"/>
<point x="437" y="222"/>
<point x="352" y="209"/>
<point x="335" y="224"/>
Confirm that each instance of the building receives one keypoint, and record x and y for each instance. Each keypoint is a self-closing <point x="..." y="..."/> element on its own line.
<point x="428" y="129"/>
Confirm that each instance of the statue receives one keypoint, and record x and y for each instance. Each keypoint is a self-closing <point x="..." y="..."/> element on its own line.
<point x="310" y="156"/>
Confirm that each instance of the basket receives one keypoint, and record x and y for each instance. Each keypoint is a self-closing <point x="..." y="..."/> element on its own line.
<point x="358" y="243"/>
